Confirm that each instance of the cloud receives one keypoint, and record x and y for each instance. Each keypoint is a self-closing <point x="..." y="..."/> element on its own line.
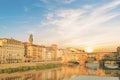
<point x="26" y="9"/>
<point x="67" y="1"/>
<point x="88" y="6"/>
<point x="106" y="8"/>
<point x="82" y="27"/>
<point x="60" y="1"/>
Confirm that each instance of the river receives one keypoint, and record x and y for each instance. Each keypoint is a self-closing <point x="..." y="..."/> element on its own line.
<point x="64" y="73"/>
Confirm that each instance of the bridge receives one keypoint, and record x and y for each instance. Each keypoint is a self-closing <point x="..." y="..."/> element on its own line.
<point x="111" y="61"/>
<point x="83" y="57"/>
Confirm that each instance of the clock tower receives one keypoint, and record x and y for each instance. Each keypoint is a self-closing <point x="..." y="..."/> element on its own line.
<point x="31" y="39"/>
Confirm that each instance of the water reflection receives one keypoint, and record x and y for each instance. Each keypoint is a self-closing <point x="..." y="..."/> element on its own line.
<point x="61" y="73"/>
<point x="115" y="73"/>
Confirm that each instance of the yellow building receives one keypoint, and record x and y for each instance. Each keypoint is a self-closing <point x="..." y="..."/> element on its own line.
<point x="11" y="51"/>
<point x="37" y="53"/>
<point x="48" y="54"/>
<point x="53" y="53"/>
<point x="34" y="53"/>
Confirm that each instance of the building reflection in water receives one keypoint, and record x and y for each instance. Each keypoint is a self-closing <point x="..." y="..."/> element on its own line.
<point x="115" y="73"/>
<point x="59" y="73"/>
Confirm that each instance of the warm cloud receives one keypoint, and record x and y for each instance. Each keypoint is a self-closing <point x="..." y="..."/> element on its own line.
<point x="93" y="24"/>
<point x="87" y="27"/>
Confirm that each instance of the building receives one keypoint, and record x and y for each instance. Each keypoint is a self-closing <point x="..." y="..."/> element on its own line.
<point x="60" y="53"/>
<point x="49" y="56"/>
<point x="11" y="51"/>
<point x="53" y="49"/>
<point x="118" y="51"/>
<point x="55" y="53"/>
<point x="33" y="52"/>
<point x="38" y="53"/>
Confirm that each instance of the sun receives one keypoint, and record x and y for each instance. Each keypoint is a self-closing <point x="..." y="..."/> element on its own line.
<point x="89" y="50"/>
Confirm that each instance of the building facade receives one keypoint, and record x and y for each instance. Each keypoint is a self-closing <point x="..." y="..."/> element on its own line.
<point x="14" y="51"/>
<point x="34" y="53"/>
<point x="118" y="51"/>
<point x="38" y="53"/>
<point x="11" y="51"/>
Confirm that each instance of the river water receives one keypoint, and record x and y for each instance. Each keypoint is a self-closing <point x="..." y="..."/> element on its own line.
<point x="65" y="73"/>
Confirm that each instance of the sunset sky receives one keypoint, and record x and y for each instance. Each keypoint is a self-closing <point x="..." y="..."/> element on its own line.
<point x="93" y="24"/>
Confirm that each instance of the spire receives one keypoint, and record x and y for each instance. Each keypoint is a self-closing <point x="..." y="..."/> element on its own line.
<point x="31" y="39"/>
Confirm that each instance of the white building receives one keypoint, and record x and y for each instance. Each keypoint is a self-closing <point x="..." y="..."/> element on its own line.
<point x="11" y="51"/>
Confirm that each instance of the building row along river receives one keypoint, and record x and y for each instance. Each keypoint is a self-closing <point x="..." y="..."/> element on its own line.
<point x="14" y="51"/>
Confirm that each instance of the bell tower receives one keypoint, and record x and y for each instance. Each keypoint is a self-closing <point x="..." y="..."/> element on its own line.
<point x="31" y="39"/>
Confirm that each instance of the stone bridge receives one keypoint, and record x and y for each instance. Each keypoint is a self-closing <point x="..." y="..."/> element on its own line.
<point x="83" y="56"/>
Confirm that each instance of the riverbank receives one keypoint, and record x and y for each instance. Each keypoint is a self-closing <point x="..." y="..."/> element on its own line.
<point x="14" y="65"/>
<point x="61" y="72"/>
<point x="27" y="67"/>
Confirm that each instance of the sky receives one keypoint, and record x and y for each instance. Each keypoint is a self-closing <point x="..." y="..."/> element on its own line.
<point x="93" y="24"/>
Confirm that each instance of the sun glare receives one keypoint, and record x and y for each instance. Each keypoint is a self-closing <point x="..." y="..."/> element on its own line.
<point x="89" y="50"/>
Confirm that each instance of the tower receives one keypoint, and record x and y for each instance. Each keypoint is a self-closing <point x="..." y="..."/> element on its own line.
<point x="31" y="39"/>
